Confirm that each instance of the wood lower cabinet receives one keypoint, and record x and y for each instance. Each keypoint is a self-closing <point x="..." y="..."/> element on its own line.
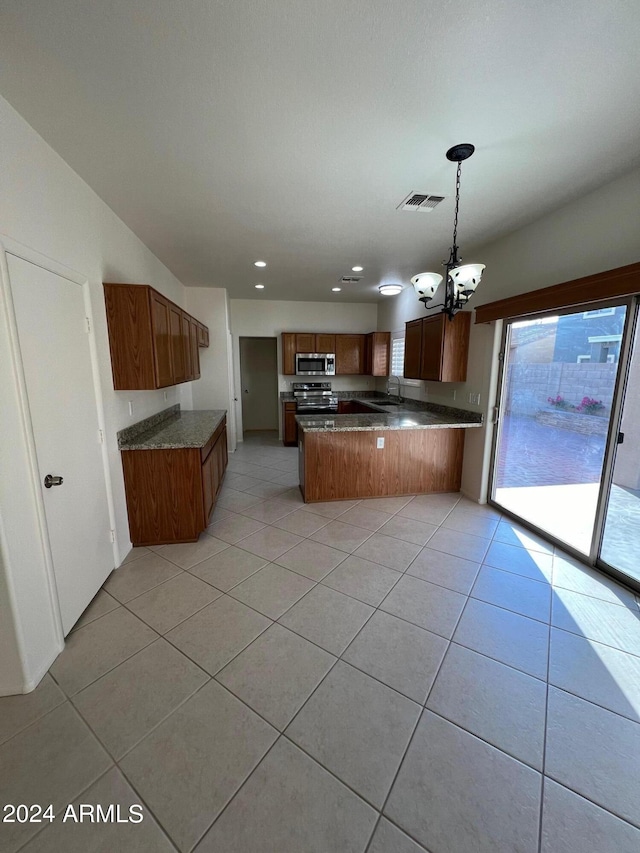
<point x="153" y="342"/>
<point x="289" y="425"/>
<point x="349" y="465"/>
<point x="171" y="493"/>
<point x="437" y="348"/>
<point x="350" y="351"/>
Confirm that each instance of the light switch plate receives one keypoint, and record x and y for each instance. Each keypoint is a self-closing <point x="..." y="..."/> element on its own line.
<point x="380" y="443"/>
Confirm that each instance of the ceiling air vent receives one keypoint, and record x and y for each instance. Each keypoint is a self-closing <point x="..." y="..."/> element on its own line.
<point x="420" y="201"/>
<point x="350" y="279"/>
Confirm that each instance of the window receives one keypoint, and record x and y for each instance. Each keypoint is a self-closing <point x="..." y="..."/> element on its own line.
<point x="397" y="359"/>
<point x="397" y="356"/>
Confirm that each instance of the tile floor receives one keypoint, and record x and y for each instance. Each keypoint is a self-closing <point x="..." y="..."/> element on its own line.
<point x="396" y="675"/>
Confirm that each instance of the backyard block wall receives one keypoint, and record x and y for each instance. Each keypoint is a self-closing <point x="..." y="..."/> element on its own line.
<point x="530" y="385"/>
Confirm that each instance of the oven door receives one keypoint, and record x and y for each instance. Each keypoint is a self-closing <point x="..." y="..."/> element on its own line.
<point x="315" y="364"/>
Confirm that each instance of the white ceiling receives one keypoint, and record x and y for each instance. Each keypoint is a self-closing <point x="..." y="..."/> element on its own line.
<point x="225" y="131"/>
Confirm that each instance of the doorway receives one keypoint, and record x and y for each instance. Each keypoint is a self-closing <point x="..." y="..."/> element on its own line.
<point x="259" y="383"/>
<point x="558" y="399"/>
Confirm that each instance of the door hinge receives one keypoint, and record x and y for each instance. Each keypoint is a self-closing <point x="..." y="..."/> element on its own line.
<point x="501" y="356"/>
<point x="620" y="437"/>
<point x="101" y="436"/>
<point x="112" y="535"/>
<point x="88" y="325"/>
<point x="495" y="415"/>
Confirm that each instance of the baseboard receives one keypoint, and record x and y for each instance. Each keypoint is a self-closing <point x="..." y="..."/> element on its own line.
<point x="28" y="686"/>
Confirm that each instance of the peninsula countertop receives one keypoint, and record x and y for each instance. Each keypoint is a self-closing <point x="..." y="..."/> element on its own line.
<point x="404" y="414"/>
<point x="172" y="429"/>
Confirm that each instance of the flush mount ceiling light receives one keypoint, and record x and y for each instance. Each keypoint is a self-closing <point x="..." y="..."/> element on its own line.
<point x="259" y="286"/>
<point x="259" y="263"/>
<point x="390" y="289"/>
<point x="462" y="279"/>
<point x="357" y="269"/>
<point x="336" y="289"/>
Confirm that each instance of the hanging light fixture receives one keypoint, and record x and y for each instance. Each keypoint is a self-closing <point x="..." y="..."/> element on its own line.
<point x="462" y="279"/>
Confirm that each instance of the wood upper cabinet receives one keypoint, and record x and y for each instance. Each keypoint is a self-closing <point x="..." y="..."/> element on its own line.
<point x="203" y="334"/>
<point x="153" y="342"/>
<point x="325" y="343"/>
<point x="306" y="343"/>
<point x="437" y="348"/>
<point x="350" y="354"/>
<point x="377" y="353"/>
<point x="178" y="353"/>
<point x="355" y="354"/>
<point x="289" y="353"/>
<point x="194" y="327"/>
<point x="161" y="346"/>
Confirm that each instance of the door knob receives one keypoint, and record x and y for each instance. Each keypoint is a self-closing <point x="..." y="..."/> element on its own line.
<point x="50" y="480"/>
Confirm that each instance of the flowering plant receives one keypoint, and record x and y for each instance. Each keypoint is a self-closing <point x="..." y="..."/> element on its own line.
<point x="559" y="402"/>
<point x="590" y="406"/>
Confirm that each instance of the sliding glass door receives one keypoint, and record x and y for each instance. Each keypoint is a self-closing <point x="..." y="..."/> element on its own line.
<point x="557" y="393"/>
<point x="620" y="548"/>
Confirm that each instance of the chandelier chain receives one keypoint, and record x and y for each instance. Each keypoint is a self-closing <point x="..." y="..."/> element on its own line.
<point x="455" y="219"/>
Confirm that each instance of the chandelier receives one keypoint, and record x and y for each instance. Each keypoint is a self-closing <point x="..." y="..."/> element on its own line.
<point x="461" y="279"/>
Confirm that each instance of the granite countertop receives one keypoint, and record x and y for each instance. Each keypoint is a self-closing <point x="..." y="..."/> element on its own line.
<point x="403" y="414"/>
<point x="171" y="429"/>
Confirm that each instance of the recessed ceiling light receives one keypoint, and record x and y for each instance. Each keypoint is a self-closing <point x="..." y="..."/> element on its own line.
<point x="259" y="263"/>
<point x="336" y="289"/>
<point x="357" y="269"/>
<point x="390" y="289"/>
<point x="259" y="286"/>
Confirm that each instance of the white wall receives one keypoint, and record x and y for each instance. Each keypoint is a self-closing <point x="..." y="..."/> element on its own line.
<point x="597" y="232"/>
<point x="47" y="207"/>
<point x="269" y="318"/>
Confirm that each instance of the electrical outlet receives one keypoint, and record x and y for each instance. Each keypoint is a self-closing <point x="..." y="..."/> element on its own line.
<point x="380" y="443"/>
<point x="130" y="408"/>
<point x="453" y="395"/>
<point x="474" y="398"/>
<point x="166" y="396"/>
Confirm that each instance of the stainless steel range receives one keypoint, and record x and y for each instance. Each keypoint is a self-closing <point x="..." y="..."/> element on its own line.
<point x="314" y="398"/>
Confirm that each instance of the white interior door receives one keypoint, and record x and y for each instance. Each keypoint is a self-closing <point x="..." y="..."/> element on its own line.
<point x="54" y="345"/>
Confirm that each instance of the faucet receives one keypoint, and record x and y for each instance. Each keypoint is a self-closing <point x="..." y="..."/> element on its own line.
<point x="397" y="378"/>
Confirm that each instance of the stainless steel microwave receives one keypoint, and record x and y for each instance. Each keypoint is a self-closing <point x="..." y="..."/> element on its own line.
<point x="315" y="364"/>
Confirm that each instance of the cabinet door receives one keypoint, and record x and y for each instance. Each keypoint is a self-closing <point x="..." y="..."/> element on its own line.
<point x="349" y="354"/>
<point x="305" y="343"/>
<point x="177" y="344"/>
<point x="288" y="354"/>
<point x="325" y="343"/>
<point x="433" y="330"/>
<point x="378" y="348"/>
<point x="290" y="427"/>
<point x="195" y="352"/>
<point x="161" y="328"/>
<point x="186" y="345"/>
<point x="412" y="347"/>
<point x="455" y="352"/>
<point x="221" y="458"/>
<point x="208" y="491"/>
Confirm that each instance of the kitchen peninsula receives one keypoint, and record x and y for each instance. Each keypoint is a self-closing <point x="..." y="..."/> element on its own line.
<point x="399" y="448"/>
